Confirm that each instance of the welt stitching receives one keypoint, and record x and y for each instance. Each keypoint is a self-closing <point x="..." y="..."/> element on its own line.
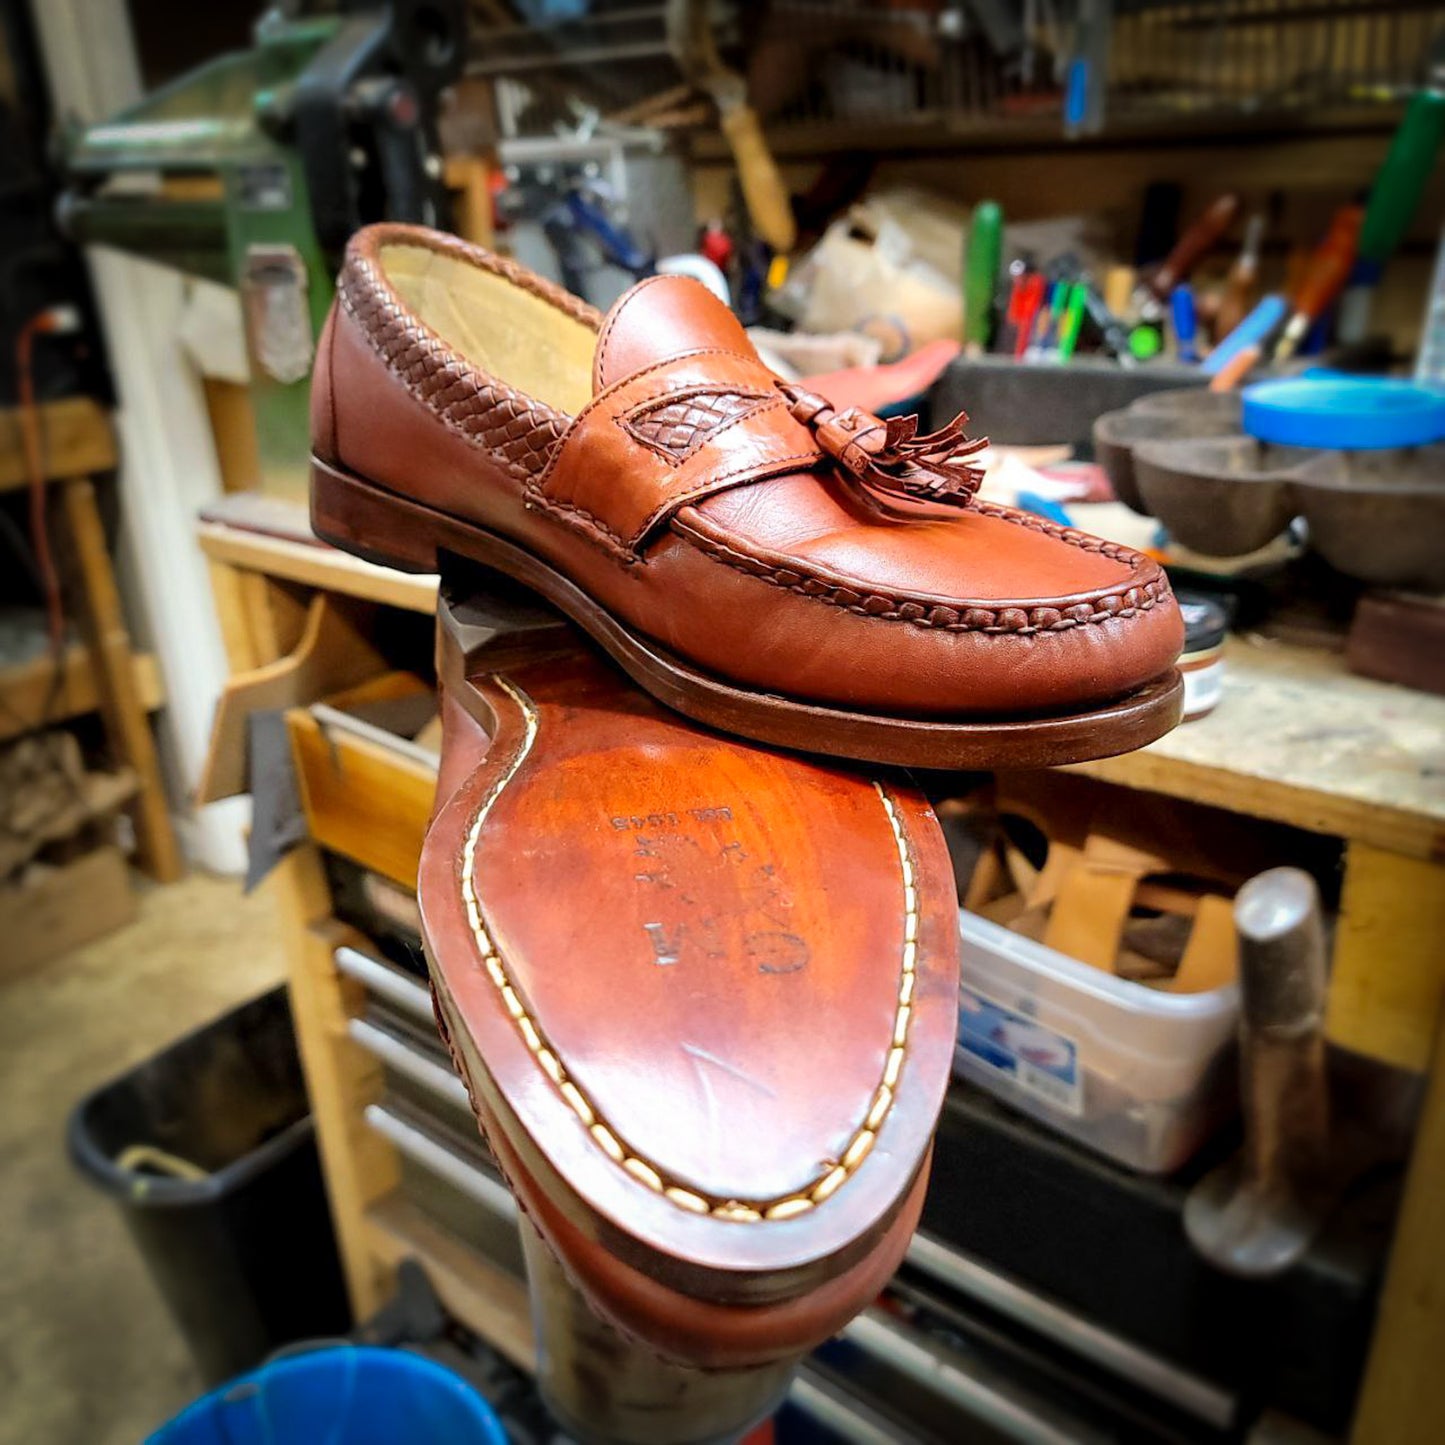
<point x="738" y="1211"/>
<point x="1115" y="551"/>
<point x="1019" y="621"/>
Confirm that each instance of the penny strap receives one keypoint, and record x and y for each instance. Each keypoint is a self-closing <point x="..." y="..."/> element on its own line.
<point x="667" y="436"/>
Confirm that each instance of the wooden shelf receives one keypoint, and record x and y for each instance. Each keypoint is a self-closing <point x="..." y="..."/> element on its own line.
<point x="487" y="1299"/>
<point x="25" y="690"/>
<point x="109" y="676"/>
<point x="273" y="536"/>
<point x="75" y="435"/>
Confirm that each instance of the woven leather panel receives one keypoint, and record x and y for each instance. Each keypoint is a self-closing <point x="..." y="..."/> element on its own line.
<point x="675" y="428"/>
<point x="521" y="431"/>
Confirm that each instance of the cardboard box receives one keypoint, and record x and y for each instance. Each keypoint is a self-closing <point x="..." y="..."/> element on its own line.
<point x="50" y="910"/>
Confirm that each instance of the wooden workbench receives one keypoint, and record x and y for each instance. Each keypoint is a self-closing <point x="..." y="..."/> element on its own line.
<point x="1296" y="739"/>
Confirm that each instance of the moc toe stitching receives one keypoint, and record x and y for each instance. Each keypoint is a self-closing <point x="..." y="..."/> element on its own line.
<point x="1016" y="617"/>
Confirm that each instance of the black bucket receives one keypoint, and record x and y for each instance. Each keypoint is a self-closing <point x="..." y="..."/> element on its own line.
<point x="244" y="1254"/>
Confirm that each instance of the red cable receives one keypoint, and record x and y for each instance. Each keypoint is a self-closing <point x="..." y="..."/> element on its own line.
<point x="32" y="444"/>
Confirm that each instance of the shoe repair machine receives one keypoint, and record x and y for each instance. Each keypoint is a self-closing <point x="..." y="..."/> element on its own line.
<point x="254" y="169"/>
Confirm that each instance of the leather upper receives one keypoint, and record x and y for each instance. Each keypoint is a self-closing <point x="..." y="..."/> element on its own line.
<point x="688" y="499"/>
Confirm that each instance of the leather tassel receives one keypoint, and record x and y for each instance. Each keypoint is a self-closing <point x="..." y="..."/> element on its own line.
<point x="889" y="457"/>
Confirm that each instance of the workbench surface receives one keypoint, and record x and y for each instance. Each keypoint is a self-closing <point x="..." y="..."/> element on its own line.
<point x="1298" y="739"/>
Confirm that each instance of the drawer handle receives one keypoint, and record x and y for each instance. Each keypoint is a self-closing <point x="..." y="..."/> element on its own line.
<point x="432" y="1077"/>
<point x="443" y="1162"/>
<point x="386" y="982"/>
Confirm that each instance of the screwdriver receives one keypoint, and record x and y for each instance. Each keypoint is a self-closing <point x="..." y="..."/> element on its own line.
<point x="1073" y="319"/>
<point x="1394" y="199"/>
<point x="1251" y="334"/>
<point x="1030" y="303"/>
<point x="1243" y="279"/>
<point x="1326" y="274"/>
<point x="1186" y="325"/>
<point x="1193" y="246"/>
<point x="982" y="255"/>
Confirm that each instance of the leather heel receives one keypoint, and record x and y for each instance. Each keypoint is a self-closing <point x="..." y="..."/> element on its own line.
<point x="370" y="523"/>
<point x="607" y="1389"/>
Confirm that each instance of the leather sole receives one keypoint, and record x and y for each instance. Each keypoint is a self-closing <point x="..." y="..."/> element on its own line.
<point x="384" y="527"/>
<point x="672" y="1324"/>
<point x="730" y="891"/>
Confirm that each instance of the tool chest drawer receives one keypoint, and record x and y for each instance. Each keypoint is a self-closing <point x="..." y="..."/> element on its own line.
<point x="420" y="1107"/>
<point x="450" y="1178"/>
<point x="366" y="768"/>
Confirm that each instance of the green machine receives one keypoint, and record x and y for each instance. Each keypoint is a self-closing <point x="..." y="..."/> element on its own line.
<point x="254" y="169"/>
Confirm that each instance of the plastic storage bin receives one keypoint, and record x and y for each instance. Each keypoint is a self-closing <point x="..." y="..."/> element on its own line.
<point x="245" y="1256"/>
<point x="1137" y="1074"/>
<point x="351" y="1395"/>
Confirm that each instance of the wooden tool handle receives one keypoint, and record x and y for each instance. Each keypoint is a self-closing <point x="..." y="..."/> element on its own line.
<point x="1329" y="267"/>
<point x="763" y="189"/>
<point x="1194" y="245"/>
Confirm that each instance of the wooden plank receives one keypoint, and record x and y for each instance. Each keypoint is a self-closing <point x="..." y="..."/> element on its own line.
<point x="361" y="799"/>
<point x="76" y="440"/>
<point x="335" y="652"/>
<point x="25" y="690"/>
<point x="275" y="615"/>
<point x="468" y="176"/>
<point x="1299" y="740"/>
<point x="233" y="428"/>
<point x="488" y="1300"/>
<point x="126" y="721"/>
<point x="1402" y="1401"/>
<point x="341" y="1079"/>
<point x="1388" y="978"/>
<point x="315" y="565"/>
<point x="231" y="596"/>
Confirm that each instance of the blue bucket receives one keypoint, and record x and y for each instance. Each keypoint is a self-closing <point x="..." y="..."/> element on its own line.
<point x="349" y="1395"/>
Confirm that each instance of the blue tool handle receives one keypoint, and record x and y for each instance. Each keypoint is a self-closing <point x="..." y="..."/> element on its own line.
<point x="1181" y="305"/>
<point x="616" y="241"/>
<point x="1252" y="331"/>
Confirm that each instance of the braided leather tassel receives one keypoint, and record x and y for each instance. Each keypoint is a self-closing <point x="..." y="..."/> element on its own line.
<point x="889" y="456"/>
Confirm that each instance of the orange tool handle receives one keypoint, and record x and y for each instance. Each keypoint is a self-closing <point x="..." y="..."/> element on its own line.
<point x="1329" y="267"/>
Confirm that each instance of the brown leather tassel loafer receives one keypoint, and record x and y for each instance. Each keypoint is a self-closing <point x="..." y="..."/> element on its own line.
<point x="704" y="997"/>
<point x="810" y="578"/>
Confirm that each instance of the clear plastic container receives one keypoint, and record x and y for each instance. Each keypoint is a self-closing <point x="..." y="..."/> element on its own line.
<point x="1135" y="1073"/>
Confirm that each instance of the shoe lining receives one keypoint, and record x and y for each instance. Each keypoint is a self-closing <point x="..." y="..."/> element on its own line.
<point x="502" y="329"/>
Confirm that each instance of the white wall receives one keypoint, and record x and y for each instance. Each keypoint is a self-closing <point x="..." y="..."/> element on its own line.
<point x="168" y="461"/>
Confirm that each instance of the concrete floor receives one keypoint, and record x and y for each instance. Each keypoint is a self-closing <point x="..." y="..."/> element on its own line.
<point x="88" y="1354"/>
